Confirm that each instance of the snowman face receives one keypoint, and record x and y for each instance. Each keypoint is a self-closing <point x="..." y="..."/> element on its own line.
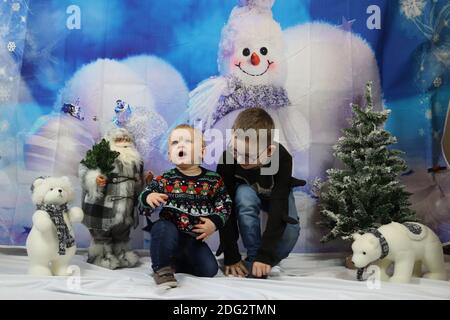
<point x="255" y="54"/>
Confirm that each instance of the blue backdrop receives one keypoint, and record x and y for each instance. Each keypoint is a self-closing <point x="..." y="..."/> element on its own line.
<point x="44" y="43"/>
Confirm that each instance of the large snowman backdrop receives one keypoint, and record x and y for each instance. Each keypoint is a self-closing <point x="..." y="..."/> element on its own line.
<point x="151" y="90"/>
<point x="305" y="77"/>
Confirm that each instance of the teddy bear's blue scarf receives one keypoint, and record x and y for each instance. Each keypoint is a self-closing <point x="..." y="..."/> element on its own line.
<point x="56" y="214"/>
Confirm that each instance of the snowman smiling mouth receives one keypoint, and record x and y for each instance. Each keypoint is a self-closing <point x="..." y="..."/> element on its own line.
<point x="254" y="75"/>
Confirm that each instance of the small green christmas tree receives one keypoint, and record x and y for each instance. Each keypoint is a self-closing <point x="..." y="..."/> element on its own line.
<point x="366" y="193"/>
<point x="101" y="156"/>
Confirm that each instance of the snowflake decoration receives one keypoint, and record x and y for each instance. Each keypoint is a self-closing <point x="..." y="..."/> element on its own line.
<point x="421" y="132"/>
<point x="437" y="82"/>
<point x="15" y="6"/>
<point x="4" y="94"/>
<point x="412" y="8"/>
<point x="23" y="19"/>
<point x="11" y="46"/>
<point x="428" y="114"/>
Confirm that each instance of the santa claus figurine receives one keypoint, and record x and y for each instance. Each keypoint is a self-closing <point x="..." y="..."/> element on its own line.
<point x="111" y="178"/>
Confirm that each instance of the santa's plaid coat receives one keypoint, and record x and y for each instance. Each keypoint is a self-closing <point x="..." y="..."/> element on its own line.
<point x="119" y="200"/>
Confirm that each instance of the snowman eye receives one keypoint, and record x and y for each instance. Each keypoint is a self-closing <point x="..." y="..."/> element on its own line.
<point x="364" y="253"/>
<point x="263" y="51"/>
<point x="246" y="52"/>
<point x="51" y="189"/>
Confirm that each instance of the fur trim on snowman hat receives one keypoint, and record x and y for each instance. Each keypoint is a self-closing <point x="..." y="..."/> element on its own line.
<point x="259" y="7"/>
<point x="262" y="4"/>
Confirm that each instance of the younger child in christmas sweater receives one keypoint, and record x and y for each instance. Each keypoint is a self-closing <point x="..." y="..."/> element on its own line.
<point x="194" y="204"/>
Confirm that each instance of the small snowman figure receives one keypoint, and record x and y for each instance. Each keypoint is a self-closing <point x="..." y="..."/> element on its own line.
<point x="194" y="211"/>
<point x="204" y="209"/>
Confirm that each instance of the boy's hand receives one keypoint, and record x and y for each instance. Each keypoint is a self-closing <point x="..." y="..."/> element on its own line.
<point x="206" y="228"/>
<point x="260" y="269"/>
<point x="236" y="270"/>
<point x="155" y="199"/>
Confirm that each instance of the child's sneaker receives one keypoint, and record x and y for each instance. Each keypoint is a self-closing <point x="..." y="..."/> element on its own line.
<point x="165" y="277"/>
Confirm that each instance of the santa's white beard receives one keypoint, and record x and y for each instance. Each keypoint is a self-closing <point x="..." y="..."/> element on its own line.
<point x="128" y="155"/>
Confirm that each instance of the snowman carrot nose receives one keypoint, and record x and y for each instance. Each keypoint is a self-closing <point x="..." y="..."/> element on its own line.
<point x="255" y="59"/>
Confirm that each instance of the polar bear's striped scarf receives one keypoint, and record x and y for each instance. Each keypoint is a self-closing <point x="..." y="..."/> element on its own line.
<point x="384" y="251"/>
<point x="56" y="214"/>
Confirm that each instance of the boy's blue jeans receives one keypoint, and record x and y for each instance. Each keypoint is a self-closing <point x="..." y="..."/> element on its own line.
<point x="248" y="205"/>
<point x="170" y="247"/>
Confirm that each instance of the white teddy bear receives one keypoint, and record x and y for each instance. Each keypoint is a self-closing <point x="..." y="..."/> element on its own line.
<point x="51" y="243"/>
<point x="407" y="245"/>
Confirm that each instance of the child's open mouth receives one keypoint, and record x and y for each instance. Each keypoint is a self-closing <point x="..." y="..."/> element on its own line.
<point x="181" y="154"/>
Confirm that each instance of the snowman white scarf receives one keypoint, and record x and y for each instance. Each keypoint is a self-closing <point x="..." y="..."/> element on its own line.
<point x="248" y="96"/>
<point x="56" y="214"/>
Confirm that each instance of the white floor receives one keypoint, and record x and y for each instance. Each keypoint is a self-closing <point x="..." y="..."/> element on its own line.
<point x="303" y="276"/>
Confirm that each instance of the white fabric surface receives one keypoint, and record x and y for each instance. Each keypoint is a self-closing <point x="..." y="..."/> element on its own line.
<point x="303" y="276"/>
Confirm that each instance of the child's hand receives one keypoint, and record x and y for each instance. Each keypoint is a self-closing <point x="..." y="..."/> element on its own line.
<point x="155" y="199"/>
<point x="206" y="228"/>
<point x="260" y="269"/>
<point x="236" y="270"/>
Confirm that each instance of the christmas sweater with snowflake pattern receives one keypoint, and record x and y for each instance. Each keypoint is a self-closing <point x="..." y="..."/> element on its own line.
<point x="190" y="197"/>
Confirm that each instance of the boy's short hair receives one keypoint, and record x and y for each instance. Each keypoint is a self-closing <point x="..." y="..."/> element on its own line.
<point x="256" y="119"/>
<point x="189" y="127"/>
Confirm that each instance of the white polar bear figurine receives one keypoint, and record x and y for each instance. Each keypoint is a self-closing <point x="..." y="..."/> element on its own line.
<point x="51" y="243"/>
<point x="407" y="245"/>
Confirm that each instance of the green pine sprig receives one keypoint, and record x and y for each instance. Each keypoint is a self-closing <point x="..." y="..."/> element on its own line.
<point x="101" y="156"/>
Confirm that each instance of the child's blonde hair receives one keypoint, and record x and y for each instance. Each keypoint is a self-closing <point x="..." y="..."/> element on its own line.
<point x="195" y="131"/>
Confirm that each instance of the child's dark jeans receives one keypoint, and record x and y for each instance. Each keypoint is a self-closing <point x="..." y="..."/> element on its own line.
<point x="248" y="206"/>
<point x="170" y="247"/>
